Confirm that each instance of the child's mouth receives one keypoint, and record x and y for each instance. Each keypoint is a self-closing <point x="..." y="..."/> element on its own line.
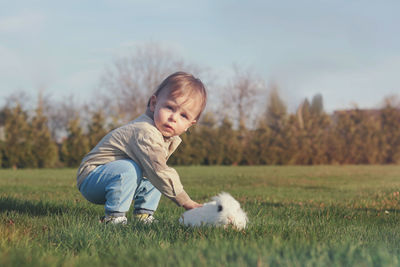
<point x="167" y="127"/>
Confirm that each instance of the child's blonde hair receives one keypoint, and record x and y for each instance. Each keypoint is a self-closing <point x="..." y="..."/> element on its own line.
<point x="180" y="83"/>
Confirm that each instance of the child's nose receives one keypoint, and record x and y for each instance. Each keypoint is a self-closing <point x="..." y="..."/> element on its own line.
<point x="172" y="117"/>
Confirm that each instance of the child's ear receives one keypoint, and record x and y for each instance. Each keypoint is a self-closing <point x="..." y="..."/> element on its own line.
<point x="192" y="123"/>
<point x="153" y="101"/>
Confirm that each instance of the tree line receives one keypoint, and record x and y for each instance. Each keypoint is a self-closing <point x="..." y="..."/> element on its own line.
<point x="308" y="136"/>
<point x="245" y="123"/>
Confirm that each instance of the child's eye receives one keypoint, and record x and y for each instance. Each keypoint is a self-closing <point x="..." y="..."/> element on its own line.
<point x="169" y="107"/>
<point x="184" y="116"/>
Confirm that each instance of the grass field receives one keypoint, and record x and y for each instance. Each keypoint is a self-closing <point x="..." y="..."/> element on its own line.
<point x="299" y="216"/>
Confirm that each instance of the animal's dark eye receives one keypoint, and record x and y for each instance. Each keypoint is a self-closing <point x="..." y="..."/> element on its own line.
<point x="219" y="208"/>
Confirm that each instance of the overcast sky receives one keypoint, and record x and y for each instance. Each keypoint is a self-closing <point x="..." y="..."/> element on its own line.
<point x="349" y="51"/>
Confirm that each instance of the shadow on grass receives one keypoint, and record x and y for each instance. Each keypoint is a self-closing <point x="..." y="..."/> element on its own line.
<point x="37" y="208"/>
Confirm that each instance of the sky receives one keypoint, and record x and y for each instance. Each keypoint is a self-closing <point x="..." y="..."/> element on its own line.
<point x="348" y="51"/>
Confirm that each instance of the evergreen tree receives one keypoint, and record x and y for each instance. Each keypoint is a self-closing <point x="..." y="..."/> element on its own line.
<point x="390" y="129"/>
<point x="1" y="152"/>
<point x="205" y="143"/>
<point x="320" y="128"/>
<point x="182" y="155"/>
<point x="276" y="113"/>
<point x="228" y="144"/>
<point x="2" y="134"/>
<point x="340" y="139"/>
<point x="317" y="105"/>
<point x="44" y="149"/>
<point x="276" y="119"/>
<point x="357" y="136"/>
<point x="17" y="145"/>
<point x="257" y="152"/>
<point x="198" y="144"/>
<point x="96" y="128"/>
<point x="311" y="133"/>
<point x="76" y="146"/>
<point x="304" y="141"/>
<point x="369" y="134"/>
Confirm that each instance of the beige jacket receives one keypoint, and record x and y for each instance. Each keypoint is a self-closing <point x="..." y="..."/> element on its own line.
<point x="142" y="142"/>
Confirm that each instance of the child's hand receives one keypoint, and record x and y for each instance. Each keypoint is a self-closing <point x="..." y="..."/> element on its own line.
<point x="191" y="205"/>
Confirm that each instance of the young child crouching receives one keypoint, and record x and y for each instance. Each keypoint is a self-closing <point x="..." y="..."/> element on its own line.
<point x="130" y="163"/>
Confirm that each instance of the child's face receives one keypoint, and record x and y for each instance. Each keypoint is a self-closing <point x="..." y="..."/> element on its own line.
<point x="174" y="115"/>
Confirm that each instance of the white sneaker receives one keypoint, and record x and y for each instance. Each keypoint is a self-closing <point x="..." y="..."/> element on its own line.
<point x="145" y="218"/>
<point x="114" y="220"/>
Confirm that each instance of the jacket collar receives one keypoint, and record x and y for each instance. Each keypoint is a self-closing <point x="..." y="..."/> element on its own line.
<point x="175" y="140"/>
<point x="149" y="114"/>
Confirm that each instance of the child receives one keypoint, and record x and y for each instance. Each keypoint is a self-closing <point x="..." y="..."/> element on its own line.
<point x="130" y="162"/>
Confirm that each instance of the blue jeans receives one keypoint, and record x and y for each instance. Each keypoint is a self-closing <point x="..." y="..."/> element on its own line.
<point x="116" y="184"/>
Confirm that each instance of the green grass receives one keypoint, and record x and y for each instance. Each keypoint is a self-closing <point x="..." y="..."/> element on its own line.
<point x="299" y="216"/>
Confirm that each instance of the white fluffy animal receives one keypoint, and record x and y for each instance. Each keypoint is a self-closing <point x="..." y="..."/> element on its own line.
<point x="224" y="210"/>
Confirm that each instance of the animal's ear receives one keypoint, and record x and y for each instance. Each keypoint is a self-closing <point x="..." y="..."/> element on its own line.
<point x="219" y="208"/>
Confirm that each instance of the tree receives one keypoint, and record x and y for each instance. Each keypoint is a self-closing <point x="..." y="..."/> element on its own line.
<point x="130" y="80"/>
<point x="240" y="97"/>
<point x="182" y="155"/>
<point x="257" y="151"/>
<point x="205" y="143"/>
<point x="75" y="146"/>
<point x="2" y="134"/>
<point x="199" y="144"/>
<point x="59" y="114"/>
<point x="230" y="150"/>
<point x="44" y="149"/>
<point x="17" y="145"/>
<point x="96" y="128"/>
<point x="276" y="113"/>
<point x="276" y="120"/>
<point x="358" y="138"/>
<point x="390" y="128"/>
<point x="311" y="133"/>
<point x="317" y="105"/>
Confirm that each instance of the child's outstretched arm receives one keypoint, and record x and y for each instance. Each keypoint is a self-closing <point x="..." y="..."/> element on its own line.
<point x="191" y="205"/>
<point x="149" y="151"/>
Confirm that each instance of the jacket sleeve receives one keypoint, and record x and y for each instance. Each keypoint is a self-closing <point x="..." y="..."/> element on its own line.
<point x="149" y="151"/>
